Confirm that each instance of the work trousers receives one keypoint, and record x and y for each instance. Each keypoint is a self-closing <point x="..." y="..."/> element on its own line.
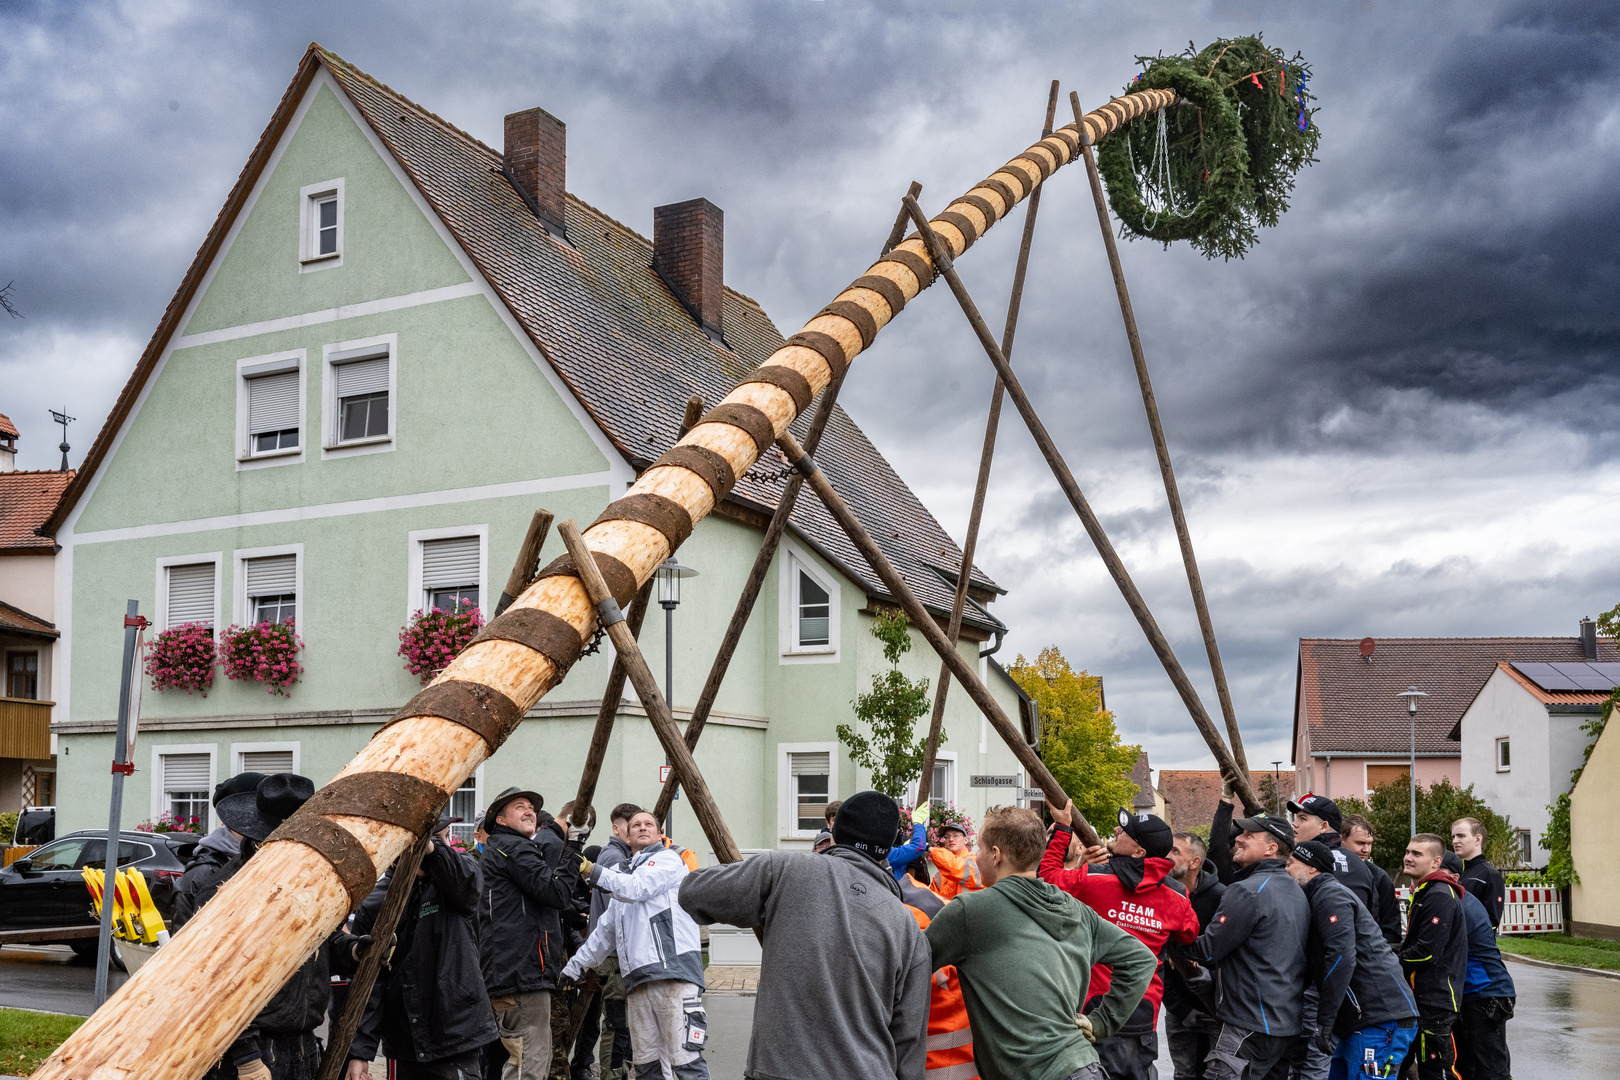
<point x="1189" y="1045"/>
<point x="669" y="1030"/>
<point x="613" y="1052"/>
<point x="1307" y="1062"/>
<point x="1129" y="1057"/>
<point x="1371" y="1051"/>
<point x="524" y="1021"/>
<point x="1482" y="1049"/>
<point x="288" y="1057"/>
<point x="1435" y="1049"/>
<point x="467" y="1066"/>
<point x="1240" y="1054"/>
<point x="590" y="1030"/>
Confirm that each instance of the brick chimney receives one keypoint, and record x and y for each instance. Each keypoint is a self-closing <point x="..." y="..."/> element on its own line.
<point x="688" y="253"/>
<point x="535" y="158"/>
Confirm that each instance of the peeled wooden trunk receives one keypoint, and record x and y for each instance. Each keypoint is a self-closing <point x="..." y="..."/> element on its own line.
<point x="179" y="1013"/>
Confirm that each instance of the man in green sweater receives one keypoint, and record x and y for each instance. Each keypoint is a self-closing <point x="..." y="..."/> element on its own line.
<point x="1024" y="950"/>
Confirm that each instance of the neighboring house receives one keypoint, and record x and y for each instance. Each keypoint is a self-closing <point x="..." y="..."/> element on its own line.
<point x="397" y="342"/>
<point x="1522" y="738"/>
<point x="1594" y="807"/>
<point x="1148" y="799"/>
<point x="28" y="632"/>
<point x="1191" y="795"/>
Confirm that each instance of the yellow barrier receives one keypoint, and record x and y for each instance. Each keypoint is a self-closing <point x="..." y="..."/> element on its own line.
<point x="135" y="916"/>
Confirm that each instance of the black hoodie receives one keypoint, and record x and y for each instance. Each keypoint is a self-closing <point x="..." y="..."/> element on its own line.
<point x="1435" y="951"/>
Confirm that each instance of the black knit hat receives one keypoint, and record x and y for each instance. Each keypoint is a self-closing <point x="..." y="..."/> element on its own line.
<point x="1315" y="854"/>
<point x="866" y="822"/>
<point x="1148" y="830"/>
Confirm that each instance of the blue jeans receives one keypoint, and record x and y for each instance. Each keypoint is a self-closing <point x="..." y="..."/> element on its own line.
<point x="1372" y="1051"/>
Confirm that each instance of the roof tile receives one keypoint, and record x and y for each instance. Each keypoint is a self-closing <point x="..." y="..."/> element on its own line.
<point x="26" y="500"/>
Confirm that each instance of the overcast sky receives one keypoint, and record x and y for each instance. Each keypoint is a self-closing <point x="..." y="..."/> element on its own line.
<point x="1395" y="417"/>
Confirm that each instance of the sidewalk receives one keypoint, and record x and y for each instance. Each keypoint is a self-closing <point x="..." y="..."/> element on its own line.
<point x="1535" y="962"/>
<point x="732" y="981"/>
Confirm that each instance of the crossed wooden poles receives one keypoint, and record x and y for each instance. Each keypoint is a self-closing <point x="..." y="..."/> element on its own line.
<point x="178" y="1013"/>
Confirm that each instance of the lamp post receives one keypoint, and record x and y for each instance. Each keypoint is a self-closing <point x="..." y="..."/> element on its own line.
<point x="669" y="576"/>
<point x="1411" y="694"/>
<point x="1276" y="787"/>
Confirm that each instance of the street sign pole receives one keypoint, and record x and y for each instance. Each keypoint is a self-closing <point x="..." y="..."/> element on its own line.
<point x="120" y="769"/>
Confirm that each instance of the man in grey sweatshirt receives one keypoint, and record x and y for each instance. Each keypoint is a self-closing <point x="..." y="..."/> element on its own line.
<point x="845" y="978"/>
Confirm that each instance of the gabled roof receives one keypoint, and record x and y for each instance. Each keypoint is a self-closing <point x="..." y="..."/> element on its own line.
<point x="613" y="331"/>
<point x="1351" y="705"/>
<point x="8" y="430"/>
<point x="14" y="620"/>
<point x="1142" y="776"/>
<point x="1191" y="795"/>
<point x="1551" y="697"/>
<point x="26" y="500"/>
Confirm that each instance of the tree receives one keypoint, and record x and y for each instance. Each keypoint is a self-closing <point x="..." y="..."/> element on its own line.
<point x="1438" y="805"/>
<point x="1079" y="742"/>
<point x="1272" y="796"/>
<point x="890" y="710"/>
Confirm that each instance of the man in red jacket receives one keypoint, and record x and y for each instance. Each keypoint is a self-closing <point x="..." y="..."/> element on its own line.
<point x="1129" y="890"/>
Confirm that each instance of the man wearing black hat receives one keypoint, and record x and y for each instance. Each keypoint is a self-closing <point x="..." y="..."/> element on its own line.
<point x="1256" y="944"/>
<point x="1365" y="1015"/>
<point x="216" y="849"/>
<point x="1131" y="891"/>
<point x="845" y="976"/>
<point x="530" y="869"/>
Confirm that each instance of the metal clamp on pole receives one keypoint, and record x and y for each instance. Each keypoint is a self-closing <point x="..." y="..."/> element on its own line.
<point x="608" y="612"/>
<point x="805" y="466"/>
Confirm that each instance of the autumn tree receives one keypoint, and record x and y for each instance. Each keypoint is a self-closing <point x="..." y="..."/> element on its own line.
<point x="1079" y="742"/>
<point x="890" y="711"/>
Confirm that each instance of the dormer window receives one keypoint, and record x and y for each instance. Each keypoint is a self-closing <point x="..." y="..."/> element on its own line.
<point x="321" y="226"/>
<point x="809" y="610"/>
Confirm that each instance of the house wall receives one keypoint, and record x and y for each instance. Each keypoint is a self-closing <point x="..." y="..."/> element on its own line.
<point x="29" y="582"/>
<point x="1348" y="775"/>
<point x="1594" y="807"/>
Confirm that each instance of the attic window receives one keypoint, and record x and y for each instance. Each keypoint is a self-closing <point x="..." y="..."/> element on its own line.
<point x="809" y="611"/>
<point x="360" y="396"/>
<point x="1504" y="755"/>
<point x="321" y="226"/>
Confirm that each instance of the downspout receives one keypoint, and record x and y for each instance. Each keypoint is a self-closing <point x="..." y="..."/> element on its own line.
<point x="997" y="647"/>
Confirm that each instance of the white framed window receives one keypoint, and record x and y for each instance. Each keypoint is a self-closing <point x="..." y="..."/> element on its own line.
<point x="188" y="590"/>
<point x="1504" y="755"/>
<point x="359" y="396"/>
<point x="1526" y="846"/>
<point x="265" y="757"/>
<point x="447" y="565"/>
<point x="320" y="225"/>
<point x="806" y="781"/>
<point x="465" y="802"/>
<point x="808" y="602"/>
<point x="942" y="792"/>
<point x="270" y="409"/>
<point x="269" y="585"/>
<point x="183" y="778"/>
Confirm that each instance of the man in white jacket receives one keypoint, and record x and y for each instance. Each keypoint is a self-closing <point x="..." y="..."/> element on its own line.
<point x="660" y="955"/>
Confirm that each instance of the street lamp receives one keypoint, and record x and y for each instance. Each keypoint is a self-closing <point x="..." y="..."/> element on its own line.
<point x="1411" y="694"/>
<point x="1276" y="788"/>
<point x="669" y="575"/>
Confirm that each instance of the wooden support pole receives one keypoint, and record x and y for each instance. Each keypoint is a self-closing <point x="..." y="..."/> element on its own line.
<point x="970" y="544"/>
<point x="612" y="698"/>
<point x="922" y="620"/>
<point x="1071" y="488"/>
<point x="336" y="1057"/>
<point x="527" y="561"/>
<point x="1194" y="580"/>
<point x="898" y="232"/>
<point x="652" y="699"/>
<point x="237" y="951"/>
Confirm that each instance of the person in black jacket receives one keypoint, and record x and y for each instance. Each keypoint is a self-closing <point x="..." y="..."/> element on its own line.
<point x="1434" y="955"/>
<point x="1256" y="942"/>
<point x="1189" y="1026"/>
<point x="529" y="871"/>
<point x="1488" y="996"/>
<point x="428" y="1008"/>
<point x="1358" y="837"/>
<point x="216" y="850"/>
<point x="1480" y="877"/>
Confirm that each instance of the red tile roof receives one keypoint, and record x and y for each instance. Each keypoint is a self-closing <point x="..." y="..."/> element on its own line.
<point x="26" y="500"/>
<point x="1351" y="703"/>
<point x="7" y="428"/>
<point x="14" y="620"/>
<point x="1191" y="795"/>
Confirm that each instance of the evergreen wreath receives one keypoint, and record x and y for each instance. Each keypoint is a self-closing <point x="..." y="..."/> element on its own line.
<point x="1213" y="170"/>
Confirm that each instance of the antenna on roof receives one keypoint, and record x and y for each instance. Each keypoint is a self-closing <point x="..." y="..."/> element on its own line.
<point x="1367" y="646"/>
<point x="64" y="419"/>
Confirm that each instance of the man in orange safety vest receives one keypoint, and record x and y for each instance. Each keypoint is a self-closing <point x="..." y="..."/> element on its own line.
<point x="950" y="1039"/>
<point x="958" y="868"/>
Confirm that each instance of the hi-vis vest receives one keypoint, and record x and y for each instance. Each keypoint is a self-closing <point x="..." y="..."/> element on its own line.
<point x="950" y="1039"/>
<point x="688" y="856"/>
<point x="957" y="873"/>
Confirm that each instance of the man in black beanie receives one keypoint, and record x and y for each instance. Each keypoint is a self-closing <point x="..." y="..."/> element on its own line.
<point x="845" y="973"/>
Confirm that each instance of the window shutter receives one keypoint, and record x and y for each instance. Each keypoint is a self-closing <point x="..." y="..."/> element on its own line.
<point x="819" y="764"/>
<point x="274" y="576"/>
<point x="185" y="772"/>
<point x="362" y="377"/>
<point x="273" y="402"/>
<point x="450" y="562"/>
<point x="267" y="761"/>
<point x="191" y="594"/>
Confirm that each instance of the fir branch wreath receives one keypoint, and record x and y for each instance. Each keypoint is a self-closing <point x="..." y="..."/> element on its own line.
<point x="1230" y="153"/>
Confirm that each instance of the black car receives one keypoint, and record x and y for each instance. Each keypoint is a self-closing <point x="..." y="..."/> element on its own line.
<point x="46" y="887"/>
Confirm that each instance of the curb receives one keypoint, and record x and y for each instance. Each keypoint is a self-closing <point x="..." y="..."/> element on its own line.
<point x="1532" y="961"/>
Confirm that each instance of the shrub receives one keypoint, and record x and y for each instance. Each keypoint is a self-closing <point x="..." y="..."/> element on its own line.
<point x="8" y="827"/>
<point x="267" y="652"/>
<point x="1438" y="805"/>
<point x="433" y="638"/>
<point x="182" y="657"/>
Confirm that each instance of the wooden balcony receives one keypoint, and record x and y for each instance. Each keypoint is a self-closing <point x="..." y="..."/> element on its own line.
<point x="25" y="728"/>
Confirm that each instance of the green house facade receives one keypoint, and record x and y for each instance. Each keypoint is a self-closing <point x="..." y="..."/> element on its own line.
<point x="395" y="344"/>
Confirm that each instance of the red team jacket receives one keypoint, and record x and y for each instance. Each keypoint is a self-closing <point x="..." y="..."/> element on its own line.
<point x="1147" y="909"/>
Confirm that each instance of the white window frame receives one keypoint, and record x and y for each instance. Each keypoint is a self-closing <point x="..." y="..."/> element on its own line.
<point x="240" y="606"/>
<point x="787" y="808"/>
<point x="309" y="196"/>
<point x="331" y="356"/>
<point x="794" y="559"/>
<point x="159" y="803"/>
<point x="471" y="825"/>
<point x="947" y="758"/>
<point x="240" y="748"/>
<point x="413" y="586"/>
<point x="161" y="606"/>
<point x="1506" y="741"/>
<point x="246" y="457"/>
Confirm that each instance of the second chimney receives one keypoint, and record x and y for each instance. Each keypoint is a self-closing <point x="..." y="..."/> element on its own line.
<point x="1589" y="639"/>
<point x="535" y="158"/>
<point x="688" y="242"/>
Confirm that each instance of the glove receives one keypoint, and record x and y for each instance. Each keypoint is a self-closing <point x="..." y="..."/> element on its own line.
<point x="1323" y="1040"/>
<point x="1083" y="1022"/>
<point x="362" y="944"/>
<point x="253" y="1070"/>
<point x="579" y="834"/>
<point x="919" y="814"/>
<point x="585" y="867"/>
<point x="565" y="981"/>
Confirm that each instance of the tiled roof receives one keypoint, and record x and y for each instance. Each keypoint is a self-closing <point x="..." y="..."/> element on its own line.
<point x="7" y="428"/>
<point x="1191" y="795"/>
<point x="1551" y="697"/>
<point x="1142" y="774"/>
<point x="14" y="620"/>
<point x="26" y="500"/>
<point x="1351" y="703"/>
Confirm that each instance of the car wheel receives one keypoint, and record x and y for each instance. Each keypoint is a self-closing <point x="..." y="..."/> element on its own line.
<point x="85" y="949"/>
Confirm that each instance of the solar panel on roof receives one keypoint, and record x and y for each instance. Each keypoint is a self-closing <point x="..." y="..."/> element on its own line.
<point x="1572" y="678"/>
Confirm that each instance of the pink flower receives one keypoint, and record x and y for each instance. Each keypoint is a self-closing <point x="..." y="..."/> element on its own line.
<point x="434" y="638"/>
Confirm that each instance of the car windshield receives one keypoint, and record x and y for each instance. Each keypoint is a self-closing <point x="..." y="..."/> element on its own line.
<point x="61" y="855"/>
<point x="95" y="853"/>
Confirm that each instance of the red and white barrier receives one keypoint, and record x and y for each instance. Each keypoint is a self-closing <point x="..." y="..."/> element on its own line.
<point x="1532" y="909"/>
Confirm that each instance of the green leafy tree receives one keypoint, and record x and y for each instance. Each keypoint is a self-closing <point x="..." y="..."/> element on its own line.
<point x="1272" y="795"/>
<point x="890" y="711"/>
<point x="1438" y="805"/>
<point x="1079" y="742"/>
